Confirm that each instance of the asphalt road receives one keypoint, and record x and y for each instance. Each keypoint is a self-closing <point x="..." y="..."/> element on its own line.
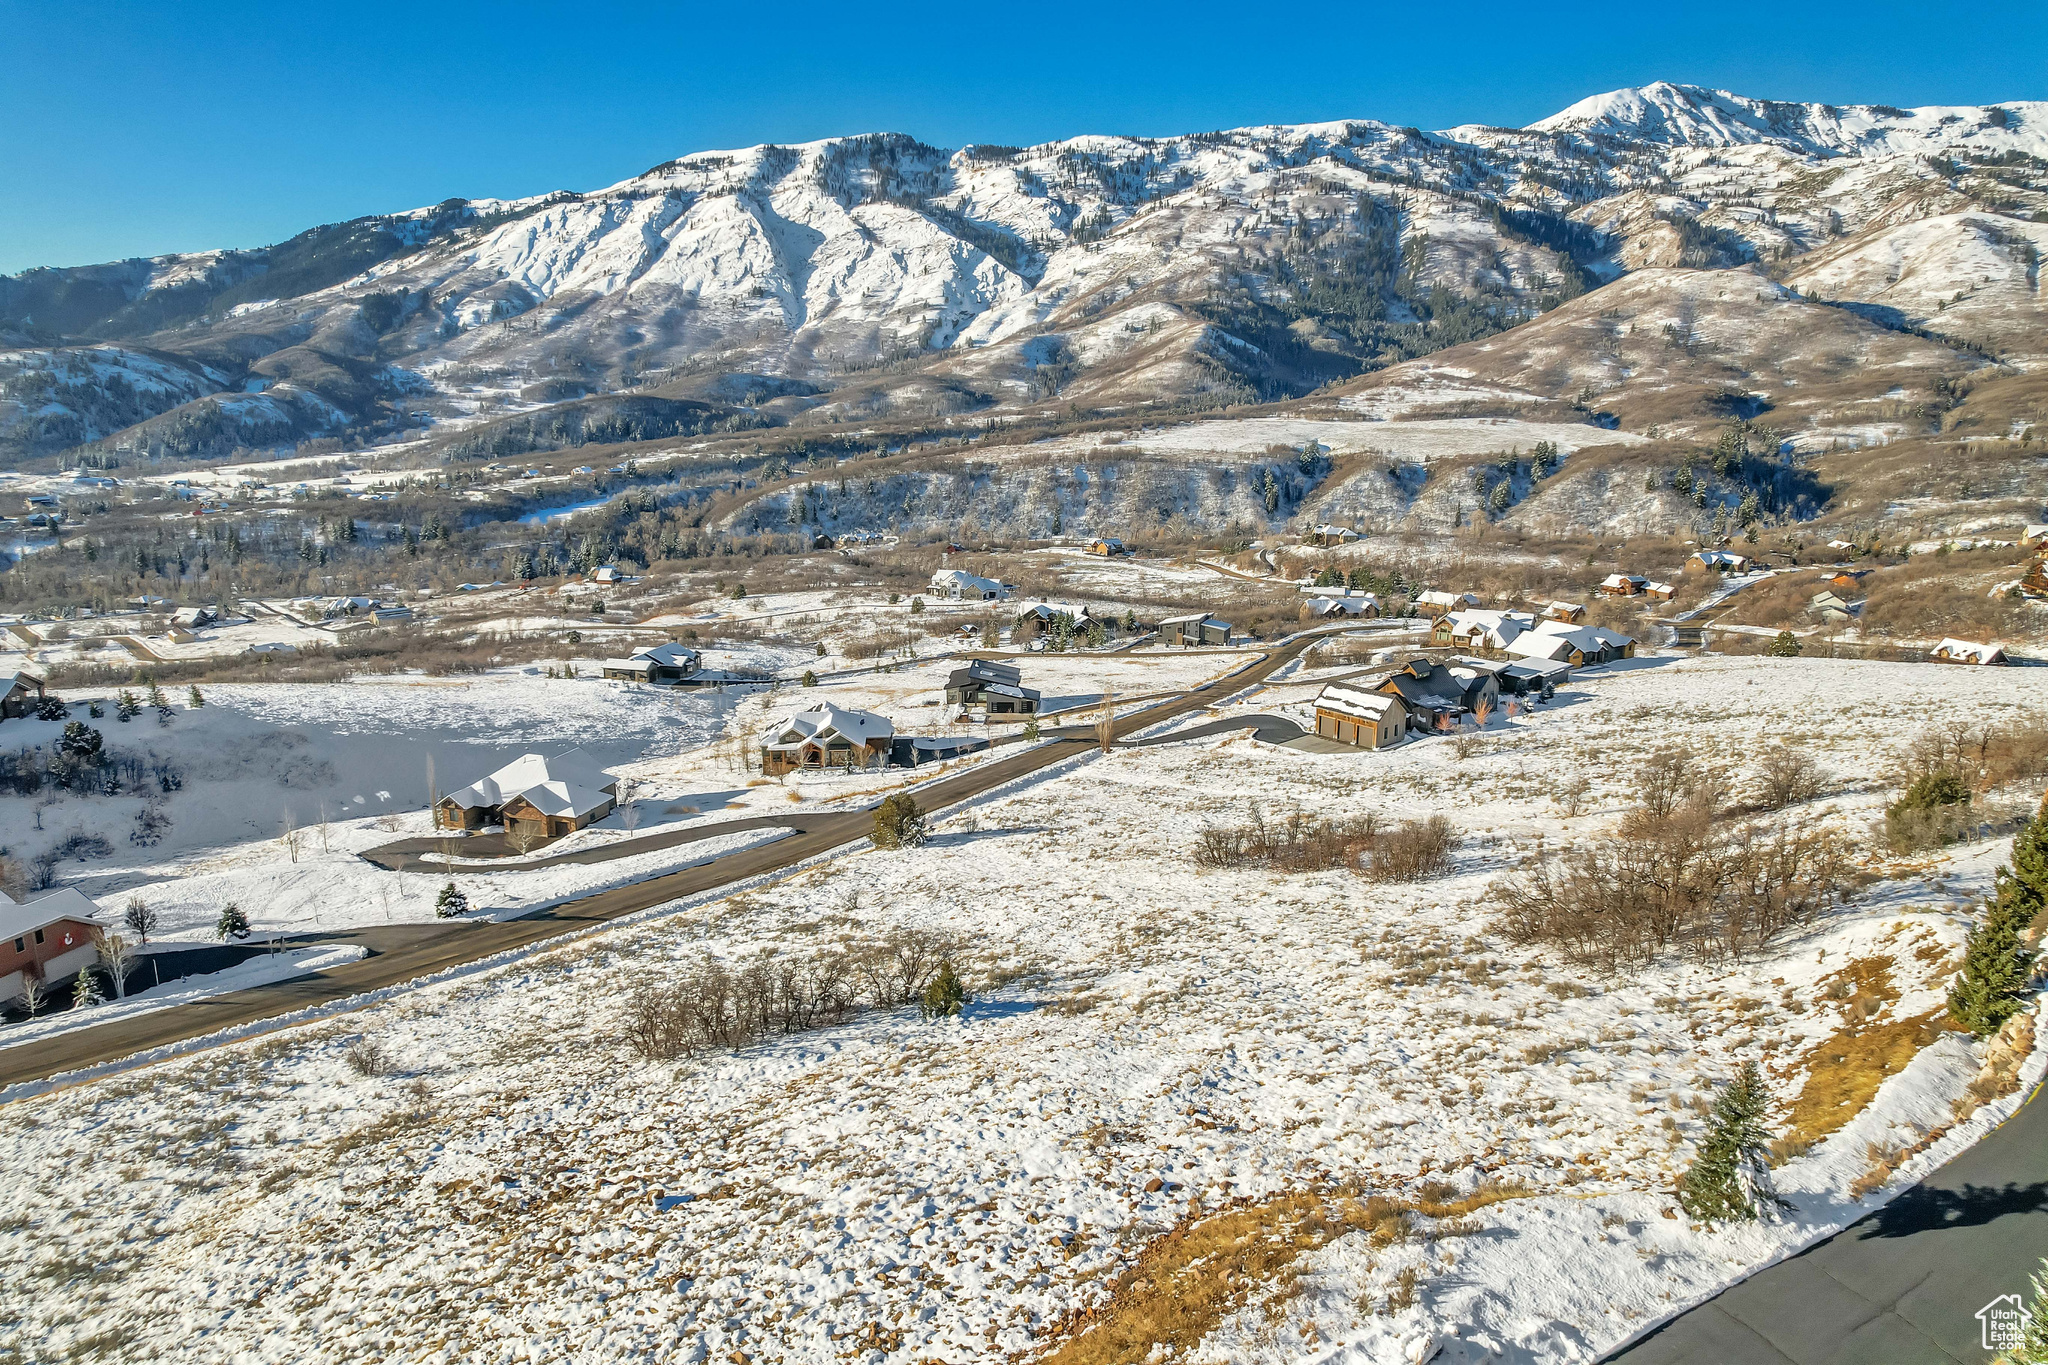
<point x="416" y="951"/>
<point x="1901" y="1287"/>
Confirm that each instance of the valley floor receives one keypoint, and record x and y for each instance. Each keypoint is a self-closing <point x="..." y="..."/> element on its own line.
<point x="1225" y="1066"/>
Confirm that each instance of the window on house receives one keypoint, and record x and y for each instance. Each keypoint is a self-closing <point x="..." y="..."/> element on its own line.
<point x="39" y="936"/>
<point x="20" y="946"/>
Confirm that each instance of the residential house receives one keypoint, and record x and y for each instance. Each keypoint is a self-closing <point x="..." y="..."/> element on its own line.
<point x="533" y="794"/>
<point x="1436" y="696"/>
<point x="1039" y="616"/>
<point x="1831" y="607"/>
<point x="49" y="940"/>
<point x="667" y="663"/>
<point x="1483" y="632"/>
<point x="1437" y="603"/>
<point x="1573" y="612"/>
<point x="997" y="688"/>
<point x="396" y="614"/>
<point x="21" y="692"/>
<point x="1107" y="546"/>
<point x="1360" y="716"/>
<point x="1328" y="536"/>
<point x="1197" y="628"/>
<point x="1623" y="585"/>
<point x="1660" y="592"/>
<point x="1361" y="605"/>
<point x="1720" y="561"/>
<point x="1967" y="652"/>
<point x="2034" y="534"/>
<point x="193" y="618"/>
<point x="608" y="573"/>
<point x="961" y="586"/>
<point x="1847" y="580"/>
<point x="1523" y="677"/>
<point x="1578" y="646"/>
<point x="826" y="737"/>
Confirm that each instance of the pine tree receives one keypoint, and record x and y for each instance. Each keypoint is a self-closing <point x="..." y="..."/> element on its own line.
<point x="1730" y="1179"/>
<point x="193" y="698"/>
<point x="2030" y="855"/>
<point x="944" y="997"/>
<point x="451" y="902"/>
<point x="1997" y="964"/>
<point x="2033" y="1347"/>
<point x="233" y="923"/>
<point x="810" y="679"/>
<point x="1031" y="730"/>
<point x="86" y="993"/>
<point x="1785" y="646"/>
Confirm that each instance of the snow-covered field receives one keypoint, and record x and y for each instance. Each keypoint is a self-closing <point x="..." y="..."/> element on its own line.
<point x="1150" y="1043"/>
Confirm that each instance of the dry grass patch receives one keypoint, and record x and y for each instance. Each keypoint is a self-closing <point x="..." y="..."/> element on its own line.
<point x="1845" y="1070"/>
<point x="1188" y="1281"/>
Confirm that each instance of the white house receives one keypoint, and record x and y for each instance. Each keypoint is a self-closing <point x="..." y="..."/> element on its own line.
<point x="961" y="586"/>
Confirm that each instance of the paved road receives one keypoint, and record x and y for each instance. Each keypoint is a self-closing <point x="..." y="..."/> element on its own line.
<point x="424" y="950"/>
<point x="1901" y="1287"/>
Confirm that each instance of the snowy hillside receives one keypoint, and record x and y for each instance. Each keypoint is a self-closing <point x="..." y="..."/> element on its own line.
<point x="876" y="278"/>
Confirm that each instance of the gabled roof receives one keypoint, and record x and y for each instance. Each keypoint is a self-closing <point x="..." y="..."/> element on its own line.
<point x="1348" y="700"/>
<point x="529" y="771"/>
<point x="962" y="580"/>
<point x="17" y="920"/>
<point x="1971" y="650"/>
<point x="670" y="655"/>
<point x="1201" y="616"/>
<point x="822" y="724"/>
<point x="1448" y="599"/>
<point x="1623" y="580"/>
<point x="985" y="671"/>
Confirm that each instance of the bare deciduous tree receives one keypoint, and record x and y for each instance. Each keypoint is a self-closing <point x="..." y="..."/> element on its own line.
<point x="141" y="919"/>
<point x="117" y="955"/>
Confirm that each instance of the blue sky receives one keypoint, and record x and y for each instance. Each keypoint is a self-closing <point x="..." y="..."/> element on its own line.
<point x="133" y="129"/>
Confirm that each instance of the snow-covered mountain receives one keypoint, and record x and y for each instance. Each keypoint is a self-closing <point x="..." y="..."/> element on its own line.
<point x="877" y="278"/>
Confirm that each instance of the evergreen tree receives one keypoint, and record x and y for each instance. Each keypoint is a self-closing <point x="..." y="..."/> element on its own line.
<point x="126" y="706"/>
<point x="1502" y="496"/>
<point x="86" y="993"/>
<point x="193" y="698"/>
<point x="451" y="902"/>
<point x="1130" y="621"/>
<point x="916" y="605"/>
<point x="1031" y="729"/>
<point x="819" y="652"/>
<point x="1997" y="964"/>
<point x="1731" y="1177"/>
<point x="810" y="679"/>
<point x="233" y="923"/>
<point x="2033" y="1347"/>
<point x="1785" y="646"/>
<point x="944" y="997"/>
<point x="2030" y="855"/>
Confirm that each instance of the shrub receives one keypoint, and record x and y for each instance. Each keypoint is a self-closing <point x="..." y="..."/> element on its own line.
<point x="1784" y="646"/>
<point x="944" y="997"/>
<point x="1929" y="813"/>
<point x="451" y="902"/>
<point x="367" y="1057"/>
<point x="1785" y="776"/>
<point x="1710" y="888"/>
<point x="709" y="1006"/>
<point x="899" y="822"/>
<point x="1412" y="851"/>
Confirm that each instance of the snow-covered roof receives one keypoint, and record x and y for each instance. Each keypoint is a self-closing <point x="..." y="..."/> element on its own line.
<point x="822" y="724"/>
<point x="1969" y="649"/>
<point x="1623" y="580"/>
<point x="1201" y="616"/>
<point x="17" y="920"/>
<point x="670" y="655"/>
<point x="1652" y="586"/>
<point x="1715" y="558"/>
<point x="528" y="772"/>
<point x="959" y="580"/>
<point x="562" y="799"/>
<point x="641" y="666"/>
<point x="1497" y="628"/>
<point x="1448" y="599"/>
<point x="1348" y="700"/>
